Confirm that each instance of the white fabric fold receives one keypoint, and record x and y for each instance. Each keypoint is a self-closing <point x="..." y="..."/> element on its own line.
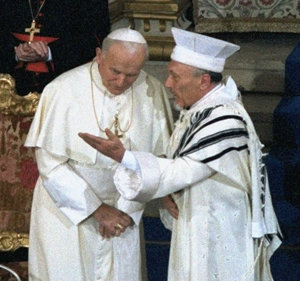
<point x="129" y="161"/>
<point x="70" y="192"/>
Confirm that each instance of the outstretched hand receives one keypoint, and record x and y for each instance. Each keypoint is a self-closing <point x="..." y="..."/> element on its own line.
<point x="111" y="147"/>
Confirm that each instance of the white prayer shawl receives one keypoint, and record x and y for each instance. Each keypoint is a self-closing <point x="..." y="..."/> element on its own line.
<point x="225" y="231"/>
<point x="65" y="243"/>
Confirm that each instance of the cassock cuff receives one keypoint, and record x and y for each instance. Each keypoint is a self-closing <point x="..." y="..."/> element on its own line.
<point x="49" y="55"/>
<point x="132" y="208"/>
<point x="71" y="194"/>
<point x="142" y="185"/>
<point x="129" y="161"/>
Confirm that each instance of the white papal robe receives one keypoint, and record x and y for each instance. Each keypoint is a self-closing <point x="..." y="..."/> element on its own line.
<point x="65" y="244"/>
<point x="226" y="229"/>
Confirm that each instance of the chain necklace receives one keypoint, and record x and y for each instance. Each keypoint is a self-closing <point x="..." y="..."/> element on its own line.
<point x="32" y="29"/>
<point x="116" y="123"/>
<point x="38" y="11"/>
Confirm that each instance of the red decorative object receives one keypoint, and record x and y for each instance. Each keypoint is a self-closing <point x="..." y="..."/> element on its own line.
<point x="18" y="174"/>
<point x="8" y="168"/>
<point x="29" y="173"/>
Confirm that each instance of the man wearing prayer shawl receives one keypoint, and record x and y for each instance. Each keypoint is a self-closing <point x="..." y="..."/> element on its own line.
<point x="81" y="228"/>
<point x="223" y="224"/>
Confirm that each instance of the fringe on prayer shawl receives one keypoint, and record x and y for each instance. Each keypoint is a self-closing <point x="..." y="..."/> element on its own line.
<point x="265" y="227"/>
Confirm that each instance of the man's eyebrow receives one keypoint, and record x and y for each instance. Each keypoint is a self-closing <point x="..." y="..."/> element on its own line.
<point x="174" y="73"/>
<point x="127" y="74"/>
<point x="115" y="69"/>
<point x="132" y="74"/>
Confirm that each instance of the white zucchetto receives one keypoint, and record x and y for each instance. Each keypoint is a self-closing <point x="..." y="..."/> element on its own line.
<point x="127" y="34"/>
<point x="201" y="51"/>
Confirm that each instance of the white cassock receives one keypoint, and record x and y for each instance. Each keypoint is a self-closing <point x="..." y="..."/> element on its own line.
<point x="227" y="229"/>
<point x="75" y="179"/>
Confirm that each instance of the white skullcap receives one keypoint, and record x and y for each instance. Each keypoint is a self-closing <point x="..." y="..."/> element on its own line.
<point x="127" y="34"/>
<point x="201" y="51"/>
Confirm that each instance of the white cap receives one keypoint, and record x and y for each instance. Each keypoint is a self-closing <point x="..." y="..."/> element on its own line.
<point x="127" y="34"/>
<point x="201" y="51"/>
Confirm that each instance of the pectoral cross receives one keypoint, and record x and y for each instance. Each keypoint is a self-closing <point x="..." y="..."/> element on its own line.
<point x="117" y="125"/>
<point x="32" y="30"/>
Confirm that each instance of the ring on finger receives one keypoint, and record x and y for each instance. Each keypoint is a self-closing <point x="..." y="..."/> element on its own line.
<point x="119" y="226"/>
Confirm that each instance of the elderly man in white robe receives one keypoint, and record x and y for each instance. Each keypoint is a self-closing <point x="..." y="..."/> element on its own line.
<point x="81" y="228"/>
<point x="223" y="224"/>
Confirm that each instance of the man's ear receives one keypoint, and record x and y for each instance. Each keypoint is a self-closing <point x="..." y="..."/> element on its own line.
<point x="98" y="55"/>
<point x="205" y="81"/>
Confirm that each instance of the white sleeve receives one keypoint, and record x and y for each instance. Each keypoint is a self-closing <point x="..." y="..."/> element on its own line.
<point x="70" y="192"/>
<point x="132" y="208"/>
<point x="129" y="161"/>
<point x="49" y="54"/>
<point x="159" y="177"/>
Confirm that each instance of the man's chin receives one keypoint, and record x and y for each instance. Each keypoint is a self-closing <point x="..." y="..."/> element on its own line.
<point x="116" y="91"/>
<point x="176" y="106"/>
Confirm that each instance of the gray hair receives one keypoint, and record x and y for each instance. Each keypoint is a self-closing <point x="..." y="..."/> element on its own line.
<point x="131" y="47"/>
<point x="198" y="72"/>
<point x="214" y="76"/>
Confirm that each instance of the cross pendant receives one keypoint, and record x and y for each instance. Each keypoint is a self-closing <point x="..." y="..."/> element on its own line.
<point x="116" y="125"/>
<point x="32" y="30"/>
<point x="117" y="133"/>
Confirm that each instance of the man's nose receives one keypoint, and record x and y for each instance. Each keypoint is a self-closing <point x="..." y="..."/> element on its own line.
<point x="121" y="80"/>
<point x="168" y="83"/>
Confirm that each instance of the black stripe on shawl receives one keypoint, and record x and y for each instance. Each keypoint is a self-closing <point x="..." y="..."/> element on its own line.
<point x="229" y="149"/>
<point x="270" y="237"/>
<point x="218" y="119"/>
<point x="215" y="138"/>
<point x="198" y="117"/>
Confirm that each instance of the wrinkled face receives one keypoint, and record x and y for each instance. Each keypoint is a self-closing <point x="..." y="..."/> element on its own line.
<point x="183" y="84"/>
<point x="119" y="67"/>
